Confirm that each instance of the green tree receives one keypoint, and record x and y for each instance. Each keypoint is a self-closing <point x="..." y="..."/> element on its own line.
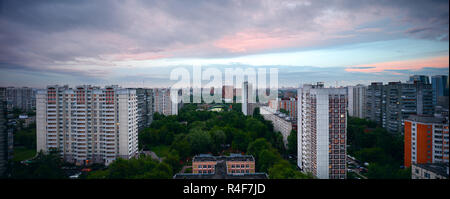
<point x="173" y="160"/>
<point x="44" y="166"/>
<point x="292" y="143"/>
<point x="283" y="170"/>
<point x="267" y="158"/>
<point x="200" y="141"/>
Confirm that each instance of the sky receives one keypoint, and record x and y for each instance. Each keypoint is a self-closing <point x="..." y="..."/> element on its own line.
<point x="138" y="43"/>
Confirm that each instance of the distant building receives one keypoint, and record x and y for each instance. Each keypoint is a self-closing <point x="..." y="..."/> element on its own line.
<point x="374" y="102"/>
<point x="440" y="88"/>
<point x="281" y="122"/>
<point x="400" y="100"/>
<point x="247" y="97"/>
<point x="357" y="101"/>
<point x="235" y="166"/>
<point x="426" y="140"/>
<point x="145" y="107"/>
<point x="429" y="171"/>
<point x="6" y="134"/>
<point x="288" y="104"/>
<point x="227" y="94"/>
<point x="419" y="79"/>
<point x="163" y="103"/>
<point x="87" y="124"/>
<point x="21" y="98"/>
<point x="322" y="131"/>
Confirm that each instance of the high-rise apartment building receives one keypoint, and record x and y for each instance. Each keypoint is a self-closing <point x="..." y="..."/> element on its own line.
<point x="322" y="131"/>
<point x="374" y="102"/>
<point x="87" y="124"/>
<point x="247" y="97"/>
<point x="419" y="79"/>
<point x="357" y="101"/>
<point x="6" y="134"/>
<point x="426" y="140"/>
<point x="400" y="100"/>
<point x="227" y="94"/>
<point x="287" y="104"/>
<point x="440" y="88"/>
<point x="163" y="103"/>
<point x="21" y="98"/>
<point x="145" y="107"/>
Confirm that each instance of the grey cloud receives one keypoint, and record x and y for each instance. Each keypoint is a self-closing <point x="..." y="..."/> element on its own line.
<point x="39" y="33"/>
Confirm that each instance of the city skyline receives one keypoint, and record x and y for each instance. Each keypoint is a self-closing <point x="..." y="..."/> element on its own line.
<point x="137" y="43"/>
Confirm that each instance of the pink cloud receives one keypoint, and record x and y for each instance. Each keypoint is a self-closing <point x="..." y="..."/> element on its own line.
<point x="253" y="41"/>
<point x="250" y="41"/>
<point x="413" y="64"/>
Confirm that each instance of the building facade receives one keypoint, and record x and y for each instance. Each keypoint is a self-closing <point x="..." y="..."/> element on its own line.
<point x="357" y="101"/>
<point x="163" y="103"/>
<point x="21" y="98"/>
<point x="419" y="79"/>
<point x="288" y="104"/>
<point x="400" y="100"/>
<point x="374" y="102"/>
<point x="429" y="171"/>
<point x="322" y="131"/>
<point x="281" y="122"/>
<point x="6" y="135"/>
<point x="247" y="93"/>
<point x="426" y="140"/>
<point x="87" y="124"/>
<point x="145" y="107"/>
<point x="235" y="164"/>
<point x="440" y="87"/>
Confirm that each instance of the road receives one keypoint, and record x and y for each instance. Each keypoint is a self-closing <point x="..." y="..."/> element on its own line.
<point x="352" y="161"/>
<point x="153" y="155"/>
<point x="184" y="168"/>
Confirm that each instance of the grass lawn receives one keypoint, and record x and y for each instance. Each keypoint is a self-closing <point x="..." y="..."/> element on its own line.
<point x="160" y="150"/>
<point x="22" y="153"/>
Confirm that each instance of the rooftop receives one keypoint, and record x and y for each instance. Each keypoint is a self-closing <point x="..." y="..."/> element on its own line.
<point x="426" y="119"/>
<point x="438" y="168"/>
<point x="232" y="157"/>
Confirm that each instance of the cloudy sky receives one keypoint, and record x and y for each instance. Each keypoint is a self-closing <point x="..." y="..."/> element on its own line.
<point x="137" y="43"/>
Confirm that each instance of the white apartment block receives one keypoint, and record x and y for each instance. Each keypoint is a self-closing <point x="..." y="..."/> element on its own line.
<point x="322" y="131"/>
<point x="87" y="124"/>
<point x="357" y="101"/>
<point x="248" y="96"/>
<point x="281" y="122"/>
<point x="163" y="103"/>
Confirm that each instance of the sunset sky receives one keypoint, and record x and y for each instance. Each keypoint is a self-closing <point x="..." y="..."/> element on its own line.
<point x="137" y="43"/>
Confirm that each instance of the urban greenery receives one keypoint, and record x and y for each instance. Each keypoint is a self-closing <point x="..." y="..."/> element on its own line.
<point x="44" y="166"/>
<point x="193" y="131"/>
<point x="381" y="149"/>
